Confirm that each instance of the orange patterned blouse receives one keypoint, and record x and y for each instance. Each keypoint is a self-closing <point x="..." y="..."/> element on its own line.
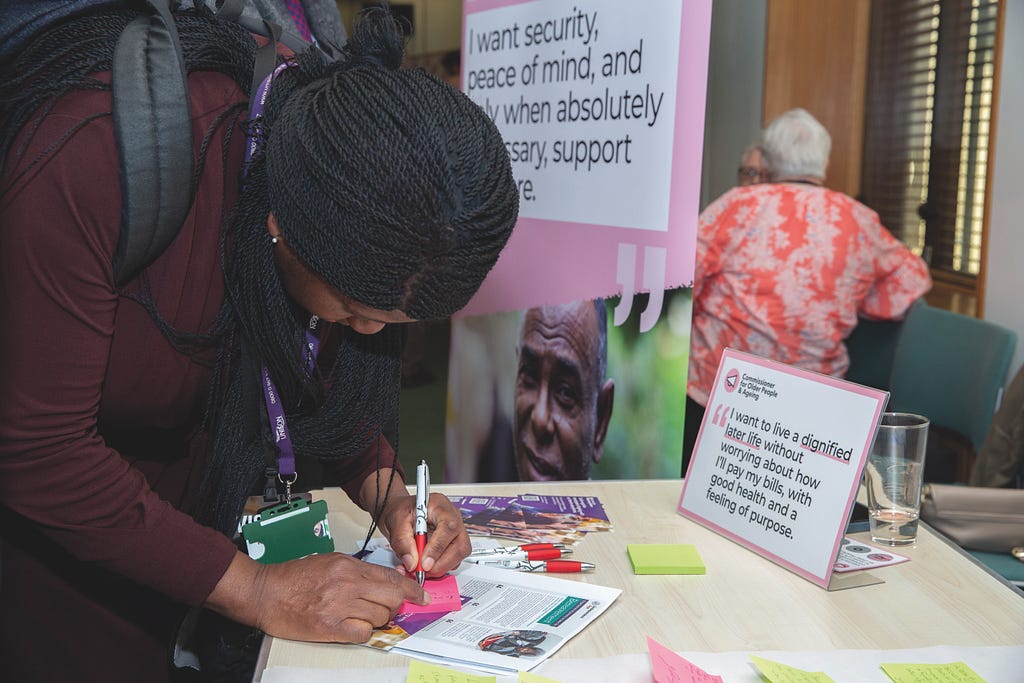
<point x="783" y="271"/>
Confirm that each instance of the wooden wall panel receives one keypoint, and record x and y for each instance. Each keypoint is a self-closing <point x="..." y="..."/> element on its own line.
<point x="816" y="54"/>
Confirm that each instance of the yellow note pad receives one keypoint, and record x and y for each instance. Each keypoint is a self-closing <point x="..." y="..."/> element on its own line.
<point x="665" y="558"/>
<point x="777" y="672"/>
<point x="424" y="672"/>
<point x="527" y="677"/>
<point x="955" y="672"/>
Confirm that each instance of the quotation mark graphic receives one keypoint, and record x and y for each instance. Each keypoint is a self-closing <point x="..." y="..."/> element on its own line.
<point x="653" y="282"/>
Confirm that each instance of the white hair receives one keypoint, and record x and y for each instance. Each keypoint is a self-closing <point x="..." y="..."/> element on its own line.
<point x="796" y="144"/>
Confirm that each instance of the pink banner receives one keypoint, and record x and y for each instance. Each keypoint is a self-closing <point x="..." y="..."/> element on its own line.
<point x="602" y="110"/>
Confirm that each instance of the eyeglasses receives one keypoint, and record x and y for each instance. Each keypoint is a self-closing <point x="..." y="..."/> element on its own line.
<point x="748" y="175"/>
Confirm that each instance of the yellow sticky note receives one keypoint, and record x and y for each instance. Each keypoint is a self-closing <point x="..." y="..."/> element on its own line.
<point x="776" y="672"/>
<point x="665" y="558"/>
<point x="527" y="677"/>
<point x="424" y="672"/>
<point x="955" y="672"/>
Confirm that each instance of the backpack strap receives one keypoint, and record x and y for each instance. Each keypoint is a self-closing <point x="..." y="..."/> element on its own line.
<point x="153" y="127"/>
<point x="151" y="112"/>
<point x="233" y="10"/>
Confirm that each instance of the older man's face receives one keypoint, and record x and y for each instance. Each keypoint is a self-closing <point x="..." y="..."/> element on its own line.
<point x="556" y="393"/>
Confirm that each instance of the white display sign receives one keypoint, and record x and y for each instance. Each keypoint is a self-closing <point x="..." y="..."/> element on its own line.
<point x="584" y="95"/>
<point x="778" y="461"/>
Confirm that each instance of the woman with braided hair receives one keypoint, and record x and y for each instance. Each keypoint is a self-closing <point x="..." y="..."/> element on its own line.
<point x="132" y="419"/>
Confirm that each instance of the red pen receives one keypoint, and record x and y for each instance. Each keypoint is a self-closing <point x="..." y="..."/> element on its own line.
<point x="550" y="566"/>
<point x="564" y="566"/>
<point x="540" y="546"/>
<point x="525" y="548"/>
<point x="513" y="554"/>
<point x="422" y="495"/>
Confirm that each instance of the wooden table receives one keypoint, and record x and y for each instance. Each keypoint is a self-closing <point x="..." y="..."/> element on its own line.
<point x="744" y="602"/>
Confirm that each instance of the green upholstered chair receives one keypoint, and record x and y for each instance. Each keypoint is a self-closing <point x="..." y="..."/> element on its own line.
<point x="1003" y="564"/>
<point x="950" y="368"/>
<point x="872" y="346"/>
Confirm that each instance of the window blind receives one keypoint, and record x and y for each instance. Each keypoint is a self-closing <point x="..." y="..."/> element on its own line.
<point x="927" y="115"/>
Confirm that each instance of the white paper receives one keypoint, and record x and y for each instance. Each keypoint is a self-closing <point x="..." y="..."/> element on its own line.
<point x="512" y="621"/>
<point x="856" y="555"/>
<point x="994" y="664"/>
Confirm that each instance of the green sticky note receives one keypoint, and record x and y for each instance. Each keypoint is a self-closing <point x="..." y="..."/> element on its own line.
<point x="776" y="672"/>
<point x="955" y="672"/>
<point x="424" y="672"/>
<point x="665" y="558"/>
<point x="527" y="677"/>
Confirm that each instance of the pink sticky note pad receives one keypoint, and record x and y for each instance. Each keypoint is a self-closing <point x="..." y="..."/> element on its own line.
<point x="668" y="666"/>
<point x="444" y="597"/>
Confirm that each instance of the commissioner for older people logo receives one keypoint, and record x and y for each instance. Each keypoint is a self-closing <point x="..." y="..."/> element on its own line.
<point x="732" y="380"/>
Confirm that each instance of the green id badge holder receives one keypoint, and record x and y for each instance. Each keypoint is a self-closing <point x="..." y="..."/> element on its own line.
<point x="288" y="532"/>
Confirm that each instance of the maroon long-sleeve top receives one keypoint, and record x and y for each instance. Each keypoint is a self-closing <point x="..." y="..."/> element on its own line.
<point x="98" y="412"/>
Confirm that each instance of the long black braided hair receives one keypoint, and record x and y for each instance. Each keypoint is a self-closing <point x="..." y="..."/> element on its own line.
<point x="388" y="183"/>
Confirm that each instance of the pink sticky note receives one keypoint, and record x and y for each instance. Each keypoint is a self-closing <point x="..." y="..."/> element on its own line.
<point x="444" y="597"/>
<point x="671" y="668"/>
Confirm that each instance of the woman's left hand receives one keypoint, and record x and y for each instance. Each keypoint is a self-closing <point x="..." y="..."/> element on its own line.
<point x="447" y="541"/>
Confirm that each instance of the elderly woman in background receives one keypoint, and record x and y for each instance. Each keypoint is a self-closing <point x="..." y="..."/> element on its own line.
<point x="784" y="268"/>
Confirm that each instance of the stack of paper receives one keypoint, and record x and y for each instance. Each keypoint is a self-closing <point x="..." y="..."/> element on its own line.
<point x="532" y="518"/>
<point x="508" y="622"/>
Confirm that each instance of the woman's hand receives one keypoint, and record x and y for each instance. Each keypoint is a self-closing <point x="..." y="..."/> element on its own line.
<point x="330" y="597"/>
<point x="447" y="541"/>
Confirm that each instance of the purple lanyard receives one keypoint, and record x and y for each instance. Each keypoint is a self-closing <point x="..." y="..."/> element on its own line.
<point x="259" y="99"/>
<point x="275" y="411"/>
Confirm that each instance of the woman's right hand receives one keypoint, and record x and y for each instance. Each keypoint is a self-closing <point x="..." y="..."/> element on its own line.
<point x="330" y="597"/>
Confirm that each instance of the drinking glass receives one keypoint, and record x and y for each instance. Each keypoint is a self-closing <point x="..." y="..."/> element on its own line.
<point x="893" y="477"/>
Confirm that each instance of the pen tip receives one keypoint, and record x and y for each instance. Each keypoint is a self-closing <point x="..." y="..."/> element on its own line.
<point x="421" y="577"/>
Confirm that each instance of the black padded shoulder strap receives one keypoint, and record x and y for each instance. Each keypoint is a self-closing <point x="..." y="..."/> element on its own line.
<point x="152" y="122"/>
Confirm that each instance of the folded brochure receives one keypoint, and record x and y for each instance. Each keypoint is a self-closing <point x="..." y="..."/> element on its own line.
<point x="532" y="518"/>
<point x="509" y="621"/>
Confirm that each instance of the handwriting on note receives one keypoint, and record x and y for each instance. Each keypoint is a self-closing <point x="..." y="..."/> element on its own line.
<point x="668" y="667"/>
<point x="777" y="672"/>
<point x="424" y="672"/>
<point x="527" y="677"/>
<point x="955" y="672"/>
<point x="444" y="597"/>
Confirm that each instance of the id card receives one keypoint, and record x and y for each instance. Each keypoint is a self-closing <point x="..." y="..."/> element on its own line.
<point x="254" y="505"/>
<point x="289" y="531"/>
